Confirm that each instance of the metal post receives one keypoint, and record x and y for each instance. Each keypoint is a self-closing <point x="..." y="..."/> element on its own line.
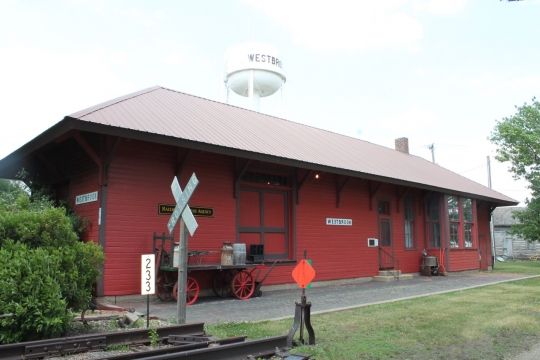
<point x="432" y="148"/>
<point x="182" y="275"/>
<point x="250" y="91"/>
<point x="147" y="310"/>
<point x="302" y="317"/>
<point x="282" y="104"/>
<point x="493" y="255"/>
<point x="489" y="171"/>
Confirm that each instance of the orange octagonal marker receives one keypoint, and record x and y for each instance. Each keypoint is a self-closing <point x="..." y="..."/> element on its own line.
<point x="303" y="273"/>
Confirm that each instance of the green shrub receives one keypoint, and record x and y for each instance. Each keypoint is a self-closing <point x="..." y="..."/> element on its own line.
<point x="47" y="271"/>
<point x="29" y="289"/>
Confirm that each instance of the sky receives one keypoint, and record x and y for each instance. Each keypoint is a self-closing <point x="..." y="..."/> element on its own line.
<point x="438" y="72"/>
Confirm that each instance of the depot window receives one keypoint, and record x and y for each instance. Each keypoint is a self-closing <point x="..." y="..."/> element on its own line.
<point x="461" y="217"/>
<point x="433" y="221"/>
<point x="453" y="217"/>
<point x="408" y="217"/>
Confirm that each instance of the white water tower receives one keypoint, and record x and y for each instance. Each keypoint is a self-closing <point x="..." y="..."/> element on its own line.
<point x="253" y="70"/>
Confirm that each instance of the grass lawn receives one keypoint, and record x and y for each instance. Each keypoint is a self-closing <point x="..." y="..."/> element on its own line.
<point x="518" y="267"/>
<point x="493" y="322"/>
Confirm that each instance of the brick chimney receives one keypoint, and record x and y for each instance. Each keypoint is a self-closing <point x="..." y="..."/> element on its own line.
<point x="402" y="145"/>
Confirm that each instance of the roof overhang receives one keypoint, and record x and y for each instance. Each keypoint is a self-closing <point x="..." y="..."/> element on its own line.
<point x="11" y="164"/>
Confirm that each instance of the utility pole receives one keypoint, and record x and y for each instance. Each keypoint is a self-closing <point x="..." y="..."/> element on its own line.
<point x="493" y="254"/>
<point x="489" y="171"/>
<point x="432" y="148"/>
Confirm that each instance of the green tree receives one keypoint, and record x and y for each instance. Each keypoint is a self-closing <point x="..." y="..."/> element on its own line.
<point x="518" y="141"/>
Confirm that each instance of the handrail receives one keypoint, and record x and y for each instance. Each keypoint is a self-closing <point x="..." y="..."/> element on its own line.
<point x="388" y="262"/>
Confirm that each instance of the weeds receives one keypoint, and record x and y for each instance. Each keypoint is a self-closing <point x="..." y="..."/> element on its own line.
<point x="154" y="337"/>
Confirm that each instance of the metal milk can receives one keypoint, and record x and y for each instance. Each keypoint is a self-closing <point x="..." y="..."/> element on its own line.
<point x="227" y="253"/>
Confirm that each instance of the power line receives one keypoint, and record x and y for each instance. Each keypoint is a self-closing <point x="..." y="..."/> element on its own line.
<point x="479" y="166"/>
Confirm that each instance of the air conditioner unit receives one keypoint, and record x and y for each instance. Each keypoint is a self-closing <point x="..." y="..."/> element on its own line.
<point x="372" y="242"/>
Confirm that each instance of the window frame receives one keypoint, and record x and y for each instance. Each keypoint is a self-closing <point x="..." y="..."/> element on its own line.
<point x="466" y="222"/>
<point x="412" y="221"/>
<point x="454" y="223"/>
<point x="458" y="227"/>
<point x="429" y="222"/>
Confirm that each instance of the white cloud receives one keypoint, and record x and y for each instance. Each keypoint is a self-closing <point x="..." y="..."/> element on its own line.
<point x="12" y="37"/>
<point x="174" y="58"/>
<point x="348" y="25"/>
<point x="442" y="7"/>
<point x="525" y="82"/>
<point x="44" y="86"/>
<point x="489" y="84"/>
<point x="410" y="119"/>
<point x="414" y="49"/>
<point x="137" y="15"/>
<point x="207" y="64"/>
<point x="118" y="58"/>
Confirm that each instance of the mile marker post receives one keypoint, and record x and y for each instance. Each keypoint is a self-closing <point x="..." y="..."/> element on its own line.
<point x="148" y="283"/>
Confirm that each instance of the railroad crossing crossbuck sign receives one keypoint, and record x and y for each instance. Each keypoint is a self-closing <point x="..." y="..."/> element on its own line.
<point x="182" y="199"/>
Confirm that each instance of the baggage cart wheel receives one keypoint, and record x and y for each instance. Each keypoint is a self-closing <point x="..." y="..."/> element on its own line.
<point x="243" y="285"/>
<point x="164" y="287"/>
<point x="222" y="283"/>
<point x="192" y="291"/>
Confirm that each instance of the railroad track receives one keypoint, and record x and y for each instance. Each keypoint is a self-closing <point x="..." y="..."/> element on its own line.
<point x="91" y="342"/>
<point x="188" y="341"/>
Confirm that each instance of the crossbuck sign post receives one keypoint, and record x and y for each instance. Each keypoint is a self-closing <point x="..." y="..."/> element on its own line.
<point x="183" y="213"/>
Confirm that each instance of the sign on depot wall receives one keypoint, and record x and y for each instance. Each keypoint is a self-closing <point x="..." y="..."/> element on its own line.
<point x="86" y="198"/>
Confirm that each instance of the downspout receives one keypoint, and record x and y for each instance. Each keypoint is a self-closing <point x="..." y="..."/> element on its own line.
<point x="493" y="254"/>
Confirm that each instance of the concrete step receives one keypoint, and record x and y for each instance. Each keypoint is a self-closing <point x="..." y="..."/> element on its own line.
<point x="389" y="272"/>
<point x="391" y="278"/>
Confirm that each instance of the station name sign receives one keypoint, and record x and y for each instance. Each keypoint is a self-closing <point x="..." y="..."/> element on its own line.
<point x="342" y="222"/>
<point x="86" y="198"/>
<point x="168" y="209"/>
<point x="265" y="59"/>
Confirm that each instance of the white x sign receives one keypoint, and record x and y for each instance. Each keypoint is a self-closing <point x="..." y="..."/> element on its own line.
<point x="182" y="198"/>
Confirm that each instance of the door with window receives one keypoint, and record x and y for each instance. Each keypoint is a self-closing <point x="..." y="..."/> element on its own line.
<point x="263" y="220"/>
<point x="386" y="260"/>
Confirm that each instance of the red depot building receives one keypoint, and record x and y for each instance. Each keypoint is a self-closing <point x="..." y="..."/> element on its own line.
<point x="263" y="181"/>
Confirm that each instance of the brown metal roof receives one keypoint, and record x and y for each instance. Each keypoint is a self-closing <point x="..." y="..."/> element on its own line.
<point x="175" y="116"/>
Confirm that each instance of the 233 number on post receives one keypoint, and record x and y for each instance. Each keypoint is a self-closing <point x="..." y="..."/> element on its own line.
<point x="148" y="271"/>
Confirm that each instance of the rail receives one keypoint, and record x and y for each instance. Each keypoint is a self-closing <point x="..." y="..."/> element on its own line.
<point x="189" y="342"/>
<point x="89" y="342"/>
<point x="388" y="263"/>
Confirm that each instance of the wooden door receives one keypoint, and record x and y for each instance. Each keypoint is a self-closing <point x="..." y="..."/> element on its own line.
<point x="386" y="260"/>
<point x="264" y="220"/>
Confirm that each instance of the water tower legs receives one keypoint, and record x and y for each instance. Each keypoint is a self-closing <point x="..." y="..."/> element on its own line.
<point x="250" y="89"/>
<point x="253" y="97"/>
